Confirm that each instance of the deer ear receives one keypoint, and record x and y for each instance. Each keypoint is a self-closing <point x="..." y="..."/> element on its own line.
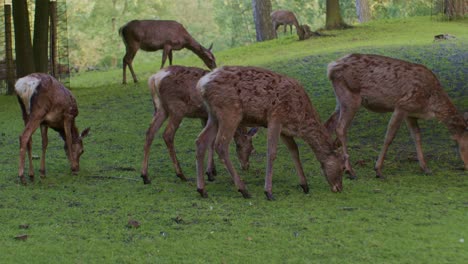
<point x="85" y="132"/>
<point x="210" y="47"/>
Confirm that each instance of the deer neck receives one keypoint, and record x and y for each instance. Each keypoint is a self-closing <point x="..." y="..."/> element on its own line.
<point x="446" y="113"/>
<point x="198" y="49"/>
<point x="317" y="137"/>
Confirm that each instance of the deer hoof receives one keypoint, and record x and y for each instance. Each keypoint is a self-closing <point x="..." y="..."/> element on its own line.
<point x="22" y="180"/>
<point x="203" y="193"/>
<point x="244" y="193"/>
<point x="305" y="188"/>
<point x="181" y="176"/>
<point x="427" y="171"/>
<point x="146" y="180"/>
<point x="269" y="196"/>
<point x="43" y="173"/>
<point x="31" y="178"/>
<point x="379" y="175"/>
<point x="211" y="175"/>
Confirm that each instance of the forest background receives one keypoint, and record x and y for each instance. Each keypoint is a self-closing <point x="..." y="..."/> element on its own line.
<point x="93" y="25"/>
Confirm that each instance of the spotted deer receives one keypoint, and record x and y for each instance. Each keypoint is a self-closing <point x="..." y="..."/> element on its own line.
<point x="44" y="103"/>
<point x="382" y="84"/>
<point x="153" y="35"/>
<point x="175" y="97"/>
<point x="251" y="96"/>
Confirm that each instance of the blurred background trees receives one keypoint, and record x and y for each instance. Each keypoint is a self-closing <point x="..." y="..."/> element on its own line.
<point x="93" y="25"/>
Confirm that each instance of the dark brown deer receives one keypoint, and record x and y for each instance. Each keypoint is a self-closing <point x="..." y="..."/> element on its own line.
<point x="45" y="102"/>
<point x="382" y="84"/>
<point x="175" y="97"/>
<point x="153" y="35"/>
<point x="252" y="96"/>
<point x="285" y="17"/>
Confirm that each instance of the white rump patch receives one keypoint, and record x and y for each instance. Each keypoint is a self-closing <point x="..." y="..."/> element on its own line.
<point x="201" y="85"/>
<point x="25" y="88"/>
<point x="154" y="83"/>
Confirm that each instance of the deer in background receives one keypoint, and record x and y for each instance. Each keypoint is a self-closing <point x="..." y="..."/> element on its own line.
<point x="45" y="102"/>
<point x="153" y="35"/>
<point x="382" y="84"/>
<point x="285" y="17"/>
<point x="250" y="96"/>
<point x="175" y="97"/>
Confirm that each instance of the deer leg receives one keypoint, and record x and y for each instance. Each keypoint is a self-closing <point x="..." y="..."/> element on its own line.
<point x="285" y="29"/>
<point x="416" y="134"/>
<point x="392" y="128"/>
<point x="170" y="57"/>
<point x="211" y="169"/>
<point x="293" y="149"/>
<point x="274" y="130"/>
<point x="290" y="29"/>
<point x="166" y="51"/>
<point x="26" y="145"/>
<point x="205" y="140"/>
<point x="45" y="142"/>
<point x="168" y="136"/>
<point x="128" y="60"/>
<point x="349" y="104"/>
<point x="158" y="119"/>
<point x="224" y="136"/>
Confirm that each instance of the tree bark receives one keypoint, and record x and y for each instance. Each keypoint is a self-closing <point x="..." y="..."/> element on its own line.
<point x="333" y="17"/>
<point x="41" y="34"/>
<point x="454" y="9"/>
<point x="262" y="20"/>
<point x="23" y="46"/>
<point x="363" y="10"/>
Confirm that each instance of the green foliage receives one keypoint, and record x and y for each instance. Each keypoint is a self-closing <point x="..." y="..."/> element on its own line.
<point x="93" y="25"/>
<point x="410" y="217"/>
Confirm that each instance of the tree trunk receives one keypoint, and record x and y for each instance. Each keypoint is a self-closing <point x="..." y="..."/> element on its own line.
<point x="262" y="20"/>
<point x="454" y="9"/>
<point x="41" y="34"/>
<point x="333" y="18"/>
<point x="9" y="64"/>
<point x="23" y="46"/>
<point x="363" y="10"/>
<point x="53" y="39"/>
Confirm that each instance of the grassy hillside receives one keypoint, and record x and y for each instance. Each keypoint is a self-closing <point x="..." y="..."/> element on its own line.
<point x="407" y="218"/>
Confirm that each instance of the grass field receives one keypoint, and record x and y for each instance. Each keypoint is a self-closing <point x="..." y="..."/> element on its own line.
<point x="407" y="218"/>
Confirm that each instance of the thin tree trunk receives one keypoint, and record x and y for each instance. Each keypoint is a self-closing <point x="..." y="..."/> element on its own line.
<point x="454" y="9"/>
<point x="363" y="10"/>
<point x="263" y="25"/>
<point x="333" y="17"/>
<point x="41" y="35"/>
<point x="9" y="64"/>
<point x="53" y="39"/>
<point x="23" y="46"/>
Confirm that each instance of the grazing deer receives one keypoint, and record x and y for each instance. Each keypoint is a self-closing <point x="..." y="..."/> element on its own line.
<point x="175" y="96"/>
<point x="285" y="17"/>
<point x="153" y="35"/>
<point x="252" y="96"/>
<point x="383" y="84"/>
<point x="45" y="102"/>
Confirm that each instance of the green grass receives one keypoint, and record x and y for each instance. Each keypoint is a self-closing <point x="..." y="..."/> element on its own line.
<point x="408" y="218"/>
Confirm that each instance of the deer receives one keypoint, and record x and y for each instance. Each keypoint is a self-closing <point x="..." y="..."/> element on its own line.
<point x="153" y="35"/>
<point x="383" y="84"/>
<point x="45" y="103"/>
<point x="251" y="96"/>
<point x="285" y="17"/>
<point x="175" y="97"/>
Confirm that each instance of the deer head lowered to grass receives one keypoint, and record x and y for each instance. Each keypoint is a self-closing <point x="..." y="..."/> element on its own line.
<point x="251" y="96"/>
<point x="153" y="35"/>
<point x="285" y="17"/>
<point x="382" y="84"/>
<point x="175" y="97"/>
<point x="45" y="102"/>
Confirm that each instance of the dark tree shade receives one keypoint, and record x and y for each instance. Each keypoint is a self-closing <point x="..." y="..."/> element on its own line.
<point x="23" y="46"/>
<point x="263" y="25"/>
<point x="41" y="30"/>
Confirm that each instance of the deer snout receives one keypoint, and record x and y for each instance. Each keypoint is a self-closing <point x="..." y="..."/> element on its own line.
<point x="75" y="169"/>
